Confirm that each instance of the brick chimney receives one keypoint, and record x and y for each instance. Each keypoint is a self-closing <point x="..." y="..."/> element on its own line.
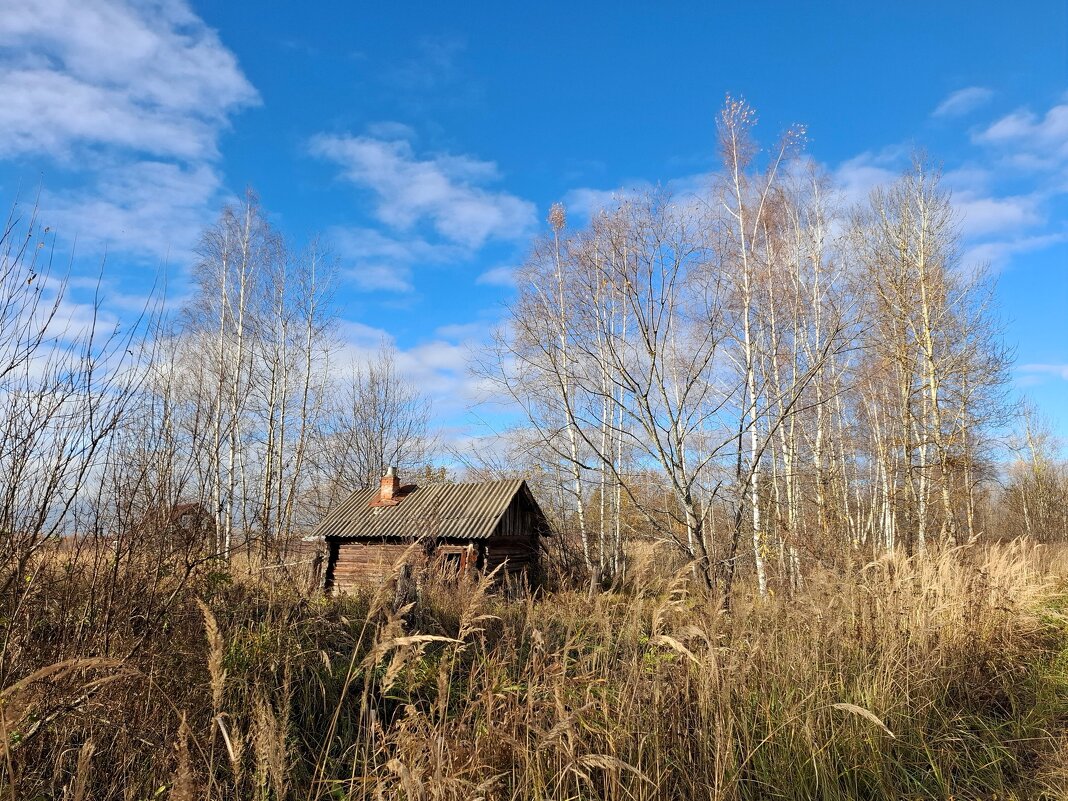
<point x="387" y="488"/>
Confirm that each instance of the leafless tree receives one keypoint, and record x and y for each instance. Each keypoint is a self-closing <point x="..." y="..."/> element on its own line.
<point x="933" y="332"/>
<point x="68" y="377"/>
<point x="373" y="417"/>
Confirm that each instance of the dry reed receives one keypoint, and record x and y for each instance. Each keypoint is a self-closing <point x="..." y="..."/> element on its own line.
<point x="934" y="677"/>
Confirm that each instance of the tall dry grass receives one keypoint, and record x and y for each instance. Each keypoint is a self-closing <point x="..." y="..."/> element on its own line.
<point x="933" y="677"/>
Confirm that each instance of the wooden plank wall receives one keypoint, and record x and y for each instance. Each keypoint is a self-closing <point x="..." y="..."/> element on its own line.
<point x="515" y="555"/>
<point x="356" y="563"/>
<point x="514" y="544"/>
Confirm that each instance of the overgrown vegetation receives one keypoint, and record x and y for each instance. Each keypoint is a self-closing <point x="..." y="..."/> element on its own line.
<point x="940" y="676"/>
<point x="760" y="424"/>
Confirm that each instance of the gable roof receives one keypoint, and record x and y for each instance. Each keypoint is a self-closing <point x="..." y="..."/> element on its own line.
<point x="462" y="511"/>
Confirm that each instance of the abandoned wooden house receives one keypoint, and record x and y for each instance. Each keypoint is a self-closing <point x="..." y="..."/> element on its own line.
<point x="461" y="528"/>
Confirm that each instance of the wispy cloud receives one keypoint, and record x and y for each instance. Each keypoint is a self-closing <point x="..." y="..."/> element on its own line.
<point x="1035" y="374"/>
<point x="462" y="332"/>
<point x="583" y="203"/>
<point x="145" y="208"/>
<point x="1004" y="204"/>
<point x="376" y="261"/>
<point x="984" y="215"/>
<point x="999" y="253"/>
<point x="497" y="276"/>
<point x="439" y="367"/>
<point x="1029" y="153"/>
<point x="369" y="276"/>
<point x="855" y="178"/>
<point x="963" y="101"/>
<point x="151" y="78"/>
<point x="432" y="209"/>
<point x="1003" y="212"/>
<point x="129" y="100"/>
<point x="1024" y="126"/>
<point x="447" y="192"/>
<point x="1031" y="141"/>
<point x="432" y="64"/>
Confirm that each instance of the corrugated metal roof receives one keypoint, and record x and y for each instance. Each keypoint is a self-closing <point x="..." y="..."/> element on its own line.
<point x="465" y="511"/>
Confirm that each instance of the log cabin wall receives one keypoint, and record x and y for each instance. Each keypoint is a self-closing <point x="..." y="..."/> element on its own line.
<point x="355" y="564"/>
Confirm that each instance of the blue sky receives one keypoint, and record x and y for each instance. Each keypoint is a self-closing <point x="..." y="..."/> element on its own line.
<point x="425" y="142"/>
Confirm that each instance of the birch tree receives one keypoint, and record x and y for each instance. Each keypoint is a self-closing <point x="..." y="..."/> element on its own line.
<point x="932" y="324"/>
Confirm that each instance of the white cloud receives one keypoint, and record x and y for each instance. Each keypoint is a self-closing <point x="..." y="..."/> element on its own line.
<point x="146" y="207"/>
<point x="1025" y="151"/>
<point x="152" y="78"/>
<point x="446" y="191"/>
<point x="357" y="242"/>
<point x="1024" y="126"/>
<point x="49" y="112"/>
<point x="1029" y="141"/>
<point x="432" y="65"/>
<point x="584" y="203"/>
<point x="460" y="332"/>
<point x="371" y="277"/>
<point x="439" y="367"/>
<point x="996" y="223"/>
<point x="497" y="276"/>
<point x="433" y="210"/>
<point x="963" y="101"/>
<point x="129" y="100"/>
<point x="968" y="178"/>
<point x="857" y="177"/>
<point x="438" y="356"/>
<point x="389" y="129"/>
<point x="376" y="261"/>
<point x="1035" y="373"/>
<point x="983" y="215"/>
<point x="999" y="253"/>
